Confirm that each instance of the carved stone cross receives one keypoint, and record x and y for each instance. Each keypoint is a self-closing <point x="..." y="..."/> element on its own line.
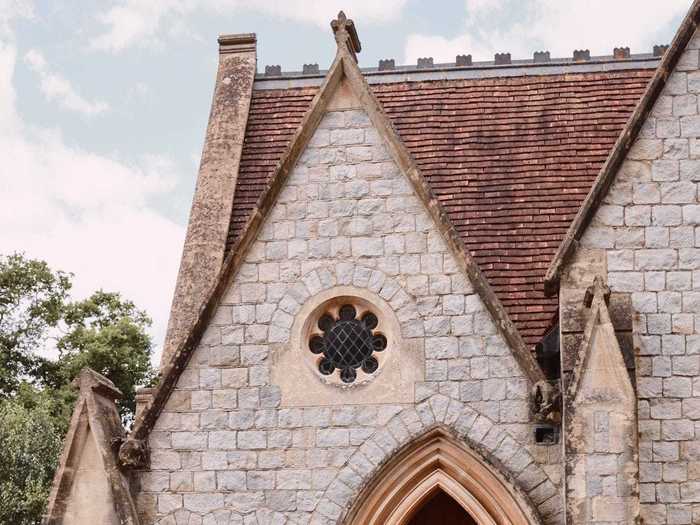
<point x="346" y="34"/>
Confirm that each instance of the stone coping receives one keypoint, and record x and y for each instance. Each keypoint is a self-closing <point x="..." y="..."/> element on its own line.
<point x="488" y="69"/>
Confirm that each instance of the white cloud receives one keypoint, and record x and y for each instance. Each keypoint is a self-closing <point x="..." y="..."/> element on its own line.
<point x="482" y="6"/>
<point x="86" y="213"/>
<point x="8" y="115"/>
<point x="11" y="10"/>
<point x="559" y="26"/>
<point x="148" y="22"/>
<point x="57" y="88"/>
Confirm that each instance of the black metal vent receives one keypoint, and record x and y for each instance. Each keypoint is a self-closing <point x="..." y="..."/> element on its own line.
<point x="348" y="343"/>
<point x="546" y="435"/>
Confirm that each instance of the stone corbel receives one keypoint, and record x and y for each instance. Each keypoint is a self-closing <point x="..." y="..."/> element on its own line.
<point x="545" y="400"/>
<point x="134" y="454"/>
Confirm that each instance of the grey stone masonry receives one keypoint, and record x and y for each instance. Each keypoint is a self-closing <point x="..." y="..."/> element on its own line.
<point x="649" y="232"/>
<point x="226" y="449"/>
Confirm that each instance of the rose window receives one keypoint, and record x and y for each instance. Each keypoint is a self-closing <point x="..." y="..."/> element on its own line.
<point x="347" y="343"/>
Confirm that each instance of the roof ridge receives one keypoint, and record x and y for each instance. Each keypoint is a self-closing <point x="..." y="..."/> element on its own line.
<point x="501" y="60"/>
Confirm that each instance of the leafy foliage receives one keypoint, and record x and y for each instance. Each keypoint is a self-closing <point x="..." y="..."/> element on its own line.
<point x="32" y="298"/>
<point x="30" y="442"/>
<point x="108" y="335"/>
<point x="104" y="332"/>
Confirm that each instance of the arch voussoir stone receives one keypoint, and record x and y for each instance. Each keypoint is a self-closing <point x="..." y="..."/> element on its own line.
<point x="412" y="421"/>
<point x="445" y="415"/>
<point x="344" y="274"/>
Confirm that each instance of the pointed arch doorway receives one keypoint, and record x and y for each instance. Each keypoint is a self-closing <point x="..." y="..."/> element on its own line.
<point x="438" y="476"/>
<point x="441" y="509"/>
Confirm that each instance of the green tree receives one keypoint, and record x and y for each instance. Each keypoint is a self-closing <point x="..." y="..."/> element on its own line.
<point x="32" y="298"/>
<point x="108" y="334"/>
<point x="104" y="332"/>
<point x="30" y="442"/>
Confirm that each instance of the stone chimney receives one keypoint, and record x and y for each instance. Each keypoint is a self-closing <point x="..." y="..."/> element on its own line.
<point x="203" y="252"/>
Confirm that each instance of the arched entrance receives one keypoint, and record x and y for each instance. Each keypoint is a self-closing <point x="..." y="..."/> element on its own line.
<point x="441" y="509"/>
<point x="432" y="474"/>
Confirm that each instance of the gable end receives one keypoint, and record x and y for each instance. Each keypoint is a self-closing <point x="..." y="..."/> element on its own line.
<point x="623" y="144"/>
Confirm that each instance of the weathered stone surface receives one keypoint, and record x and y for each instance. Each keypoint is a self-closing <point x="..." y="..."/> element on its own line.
<point x="211" y="207"/>
<point x="600" y="431"/>
<point x="658" y="275"/>
<point x="89" y="486"/>
<point x="346" y="216"/>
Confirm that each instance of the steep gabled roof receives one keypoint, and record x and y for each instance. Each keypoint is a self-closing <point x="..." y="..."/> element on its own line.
<point x="617" y="155"/>
<point x="89" y="459"/>
<point x="510" y="158"/>
<point x="344" y="68"/>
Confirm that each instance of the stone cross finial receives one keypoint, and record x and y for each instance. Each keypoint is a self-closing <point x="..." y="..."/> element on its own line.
<point x="346" y="35"/>
<point x="597" y="289"/>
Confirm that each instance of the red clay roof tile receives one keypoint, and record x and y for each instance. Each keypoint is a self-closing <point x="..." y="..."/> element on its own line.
<point x="511" y="160"/>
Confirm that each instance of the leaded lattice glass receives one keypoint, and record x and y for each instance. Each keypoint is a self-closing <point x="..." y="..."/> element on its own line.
<point x="348" y="343"/>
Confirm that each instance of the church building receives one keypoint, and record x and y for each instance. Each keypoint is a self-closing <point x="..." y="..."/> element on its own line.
<point x="453" y="294"/>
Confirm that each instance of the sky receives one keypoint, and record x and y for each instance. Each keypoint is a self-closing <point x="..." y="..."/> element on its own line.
<point x="104" y="105"/>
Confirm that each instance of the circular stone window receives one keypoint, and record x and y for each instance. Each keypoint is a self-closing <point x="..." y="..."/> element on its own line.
<point x="346" y="338"/>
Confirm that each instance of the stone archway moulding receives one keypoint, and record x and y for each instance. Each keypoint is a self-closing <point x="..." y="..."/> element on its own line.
<point x="437" y="461"/>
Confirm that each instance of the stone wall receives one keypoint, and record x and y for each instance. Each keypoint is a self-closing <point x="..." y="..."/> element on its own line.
<point x="599" y="413"/>
<point x="645" y="240"/>
<point x="227" y="449"/>
<point x="90" y="499"/>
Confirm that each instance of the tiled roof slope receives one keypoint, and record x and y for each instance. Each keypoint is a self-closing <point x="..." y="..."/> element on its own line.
<point x="273" y="117"/>
<point x="510" y="158"/>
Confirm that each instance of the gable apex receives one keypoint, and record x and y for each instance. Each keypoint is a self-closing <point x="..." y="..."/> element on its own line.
<point x="601" y="374"/>
<point x="344" y="83"/>
<point x="407" y="165"/>
<point x="343" y="98"/>
<point x="88" y="484"/>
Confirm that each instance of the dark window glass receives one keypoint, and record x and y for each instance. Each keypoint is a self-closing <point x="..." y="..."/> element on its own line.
<point x="347" y="343"/>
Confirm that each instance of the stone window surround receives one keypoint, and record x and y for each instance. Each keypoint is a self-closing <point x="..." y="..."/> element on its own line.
<point x="294" y="368"/>
<point x="367" y="467"/>
<point x="363" y="302"/>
